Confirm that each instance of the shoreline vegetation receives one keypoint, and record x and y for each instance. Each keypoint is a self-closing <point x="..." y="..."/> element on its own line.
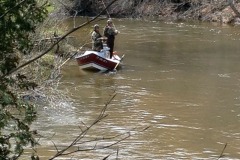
<point x="219" y="11"/>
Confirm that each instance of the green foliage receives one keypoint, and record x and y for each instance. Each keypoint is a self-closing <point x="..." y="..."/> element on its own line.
<point x="18" y="19"/>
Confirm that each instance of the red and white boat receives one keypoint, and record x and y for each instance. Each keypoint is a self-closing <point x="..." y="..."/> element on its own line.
<point x="99" y="61"/>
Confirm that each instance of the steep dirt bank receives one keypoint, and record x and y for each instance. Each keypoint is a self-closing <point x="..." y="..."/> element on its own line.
<point x="205" y="10"/>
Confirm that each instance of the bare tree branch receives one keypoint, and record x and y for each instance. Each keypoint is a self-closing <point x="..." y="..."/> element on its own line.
<point x="222" y="155"/>
<point x="81" y="135"/>
<point x="78" y="143"/>
<point x="55" y="146"/>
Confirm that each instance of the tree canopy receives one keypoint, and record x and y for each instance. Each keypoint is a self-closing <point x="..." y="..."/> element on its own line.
<point x="18" y="20"/>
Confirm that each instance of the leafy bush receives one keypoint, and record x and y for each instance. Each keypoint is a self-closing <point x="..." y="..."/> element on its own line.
<point x="18" y="19"/>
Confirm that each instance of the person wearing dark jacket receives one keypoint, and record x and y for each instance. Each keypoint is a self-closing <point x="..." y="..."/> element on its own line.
<point x="110" y="32"/>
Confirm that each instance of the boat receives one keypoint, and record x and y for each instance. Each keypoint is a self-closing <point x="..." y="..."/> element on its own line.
<point x="99" y="60"/>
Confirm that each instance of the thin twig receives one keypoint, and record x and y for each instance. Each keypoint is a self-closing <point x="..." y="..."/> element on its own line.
<point x="72" y="56"/>
<point x="222" y="154"/>
<point x="105" y="107"/>
<point x="105" y="158"/>
<point x="117" y="153"/>
<point x="127" y="135"/>
<point x="101" y="139"/>
<point x="55" y="146"/>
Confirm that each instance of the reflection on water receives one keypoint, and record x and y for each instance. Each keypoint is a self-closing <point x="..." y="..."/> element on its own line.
<point x="181" y="79"/>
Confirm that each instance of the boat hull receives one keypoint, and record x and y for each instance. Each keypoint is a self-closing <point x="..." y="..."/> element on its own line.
<point x="92" y="60"/>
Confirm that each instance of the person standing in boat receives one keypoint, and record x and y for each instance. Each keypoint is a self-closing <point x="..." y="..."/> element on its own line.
<point x="96" y="39"/>
<point x="110" y="32"/>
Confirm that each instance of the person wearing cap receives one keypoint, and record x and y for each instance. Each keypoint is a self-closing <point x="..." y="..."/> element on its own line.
<point x="96" y="39"/>
<point x="110" y="32"/>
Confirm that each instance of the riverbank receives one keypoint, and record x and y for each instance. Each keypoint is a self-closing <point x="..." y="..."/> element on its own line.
<point x="206" y="11"/>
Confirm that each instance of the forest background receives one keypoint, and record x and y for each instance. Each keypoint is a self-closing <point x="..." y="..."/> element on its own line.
<point x="220" y="11"/>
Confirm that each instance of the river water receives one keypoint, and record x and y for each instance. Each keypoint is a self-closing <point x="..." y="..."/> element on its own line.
<point x="181" y="79"/>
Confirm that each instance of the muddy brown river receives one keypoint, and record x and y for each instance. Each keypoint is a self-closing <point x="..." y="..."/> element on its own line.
<point x="181" y="79"/>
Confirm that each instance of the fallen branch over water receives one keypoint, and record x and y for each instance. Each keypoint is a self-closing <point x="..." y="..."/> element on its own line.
<point x="79" y="144"/>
